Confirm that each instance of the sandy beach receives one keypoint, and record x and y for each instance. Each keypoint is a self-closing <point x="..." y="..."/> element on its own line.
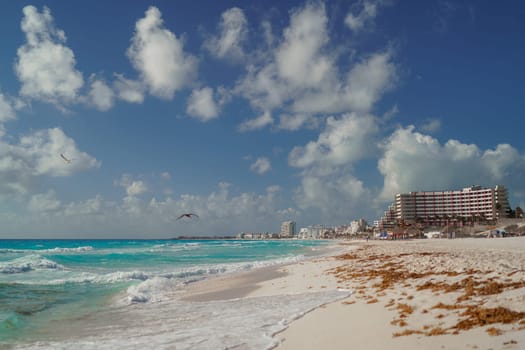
<point x="419" y="294"/>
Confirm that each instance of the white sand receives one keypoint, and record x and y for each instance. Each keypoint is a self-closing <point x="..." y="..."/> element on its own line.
<point x="482" y="273"/>
<point x="396" y="286"/>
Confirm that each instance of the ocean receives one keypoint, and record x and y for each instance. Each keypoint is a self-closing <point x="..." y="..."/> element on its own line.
<point x="109" y="294"/>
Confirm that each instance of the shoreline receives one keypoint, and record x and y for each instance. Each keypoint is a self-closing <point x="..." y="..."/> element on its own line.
<point x="234" y="286"/>
<point x="416" y="294"/>
<point x="146" y="308"/>
<point x="257" y="282"/>
<point x="434" y="294"/>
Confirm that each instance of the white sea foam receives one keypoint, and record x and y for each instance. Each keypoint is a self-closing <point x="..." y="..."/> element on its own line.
<point x="50" y="250"/>
<point x="152" y="290"/>
<point x="159" y="287"/>
<point x="174" y="247"/>
<point x="47" y="272"/>
<point x="67" y="250"/>
<point x="148" y="313"/>
<point x="28" y="263"/>
<point x="247" y="323"/>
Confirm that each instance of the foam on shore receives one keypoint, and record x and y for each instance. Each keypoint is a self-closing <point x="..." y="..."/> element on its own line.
<point x="157" y="309"/>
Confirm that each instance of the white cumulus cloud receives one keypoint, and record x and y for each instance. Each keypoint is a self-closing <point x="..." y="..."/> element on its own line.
<point x="132" y="187"/>
<point x="136" y="187"/>
<point x="87" y="207"/>
<point x="327" y="176"/>
<point x="357" y="22"/>
<point x="261" y="165"/>
<point x="300" y="59"/>
<point x="202" y="105"/>
<point x="101" y="95"/>
<point x="337" y="195"/>
<point x="431" y="125"/>
<point x="344" y="140"/>
<point x="128" y="90"/>
<point x="368" y="80"/>
<point x="44" y="202"/>
<point x="297" y="121"/>
<point x="45" y="66"/>
<point x="299" y="76"/>
<point x="7" y="111"/>
<point x="414" y="161"/>
<point x="233" y="31"/>
<point x="38" y="154"/>
<point x="43" y="149"/>
<point x="299" y="63"/>
<point x="159" y="56"/>
<point x="221" y="211"/>
<point x="256" y="123"/>
<point x="365" y="84"/>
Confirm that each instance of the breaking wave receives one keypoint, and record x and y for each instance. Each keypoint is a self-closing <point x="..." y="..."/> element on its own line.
<point x="29" y="263"/>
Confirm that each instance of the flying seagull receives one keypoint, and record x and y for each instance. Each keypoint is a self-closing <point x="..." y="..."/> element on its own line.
<point x="187" y="215"/>
<point x="67" y="160"/>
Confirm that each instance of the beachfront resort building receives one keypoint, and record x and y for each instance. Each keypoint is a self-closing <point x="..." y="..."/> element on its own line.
<point x="357" y="226"/>
<point x="439" y="208"/>
<point x="311" y="232"/>
<point x="288" y="229"/>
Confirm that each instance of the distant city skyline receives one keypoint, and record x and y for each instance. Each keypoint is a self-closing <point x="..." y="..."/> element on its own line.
<point x="116" y="118"/>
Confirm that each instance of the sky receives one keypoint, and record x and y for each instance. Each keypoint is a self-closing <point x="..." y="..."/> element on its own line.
<point x="117" y="117"/>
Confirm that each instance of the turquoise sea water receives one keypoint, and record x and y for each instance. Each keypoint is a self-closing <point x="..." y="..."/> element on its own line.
<point x="48" y="284"/>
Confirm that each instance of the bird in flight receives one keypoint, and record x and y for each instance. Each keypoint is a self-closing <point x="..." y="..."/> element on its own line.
<point x="187" y="215"/>
<point x="67" y="160"/>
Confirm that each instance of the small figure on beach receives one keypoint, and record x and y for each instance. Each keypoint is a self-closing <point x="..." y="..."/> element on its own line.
<point x="187" y="215"/>
<point x="367" y="237"/>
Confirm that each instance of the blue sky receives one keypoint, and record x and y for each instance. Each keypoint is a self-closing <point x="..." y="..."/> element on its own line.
<point x="250" y="113"/>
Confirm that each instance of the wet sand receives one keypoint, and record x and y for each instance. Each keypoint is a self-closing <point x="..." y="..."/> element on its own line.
<point x="431" y="294"/>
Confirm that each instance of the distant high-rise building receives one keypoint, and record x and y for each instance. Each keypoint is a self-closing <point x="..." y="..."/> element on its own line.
<point x="288" y="229"/>
<point x="439" y="207"/>
<point x="311" y="232"/>
<point x="357" y="226"/>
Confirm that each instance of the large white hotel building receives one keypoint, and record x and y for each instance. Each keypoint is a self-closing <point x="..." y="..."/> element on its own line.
<point x="442" y="207"/>
<point x="288" y="229"/>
